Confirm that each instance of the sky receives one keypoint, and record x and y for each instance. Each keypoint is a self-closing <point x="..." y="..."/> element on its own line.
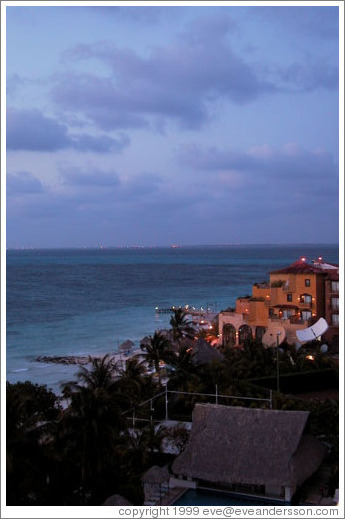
<point x="144" y="125"/>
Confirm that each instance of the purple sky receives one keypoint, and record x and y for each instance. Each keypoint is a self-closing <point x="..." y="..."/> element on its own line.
<point x="165" y="124"/>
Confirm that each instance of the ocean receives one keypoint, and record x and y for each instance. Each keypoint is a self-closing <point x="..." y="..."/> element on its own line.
<point x="88" y="301"/>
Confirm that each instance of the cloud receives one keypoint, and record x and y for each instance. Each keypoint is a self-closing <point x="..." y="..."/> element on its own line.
<point x="32" y="131"/>
<point x="144" y="15"/>
<point x="290" y="169"/>
<point x="72" y="176"/>
<point x="317" y="22"/>
<point x="178" y="81"/>
<point x="182" y="81"/>
<point x="310" y="76"/>
<point x="23" y="183"/>
<point x="102" y="144"/>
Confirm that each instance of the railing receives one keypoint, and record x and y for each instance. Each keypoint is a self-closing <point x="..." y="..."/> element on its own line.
<point x="302" y="304"/>
<point x="294" y="319"/>
<point x="216" y="396"/>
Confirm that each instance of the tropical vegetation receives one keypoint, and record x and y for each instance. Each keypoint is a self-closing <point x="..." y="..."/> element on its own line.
<point x="102" y="434"/>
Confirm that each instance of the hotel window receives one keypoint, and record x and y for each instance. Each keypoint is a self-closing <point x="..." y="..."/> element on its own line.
<point x="305" y="298"/>
<point x="287" y="313"/>
<point x="307" y="282"/>
<point x="305" y="315"/>
<point x="335" y="286"/>
<point x="335" y="319"/>
<point x="289" y="298"/>
<point x="335" y="303"/>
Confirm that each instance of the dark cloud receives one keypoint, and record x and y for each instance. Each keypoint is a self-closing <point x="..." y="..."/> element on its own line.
<point x="145" y="207"/>
<point x="181" y="81"/>
<point x="32" y="131"/>
<point x="178" y="81"/>
<point x="23" y="183"/>
<point x="290" y="168"/>
<point x="321" y="22"/>
<point x="101" y="144"/>
<point x="72" y="176"/>
<point x="311" y="76"/>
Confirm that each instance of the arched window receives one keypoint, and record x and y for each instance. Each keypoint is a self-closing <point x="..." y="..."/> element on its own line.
<point x="305" y="298"/>
<point x="260" y="332"/>
<point x="244" y="333"/>
<point x="229" y="335"/>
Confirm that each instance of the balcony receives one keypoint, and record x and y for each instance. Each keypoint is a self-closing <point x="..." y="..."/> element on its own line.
<point x="293" y="319"/>
<point x="305" y="305"/>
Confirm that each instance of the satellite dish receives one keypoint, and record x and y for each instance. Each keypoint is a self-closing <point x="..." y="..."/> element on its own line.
<point x="324" y="348"/>
<point x="269" y="339"/>
<point x="313" y="332"/>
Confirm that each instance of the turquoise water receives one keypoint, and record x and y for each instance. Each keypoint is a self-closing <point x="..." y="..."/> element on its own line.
<point x="88" y="301"/>
<point x="212" y="498"/>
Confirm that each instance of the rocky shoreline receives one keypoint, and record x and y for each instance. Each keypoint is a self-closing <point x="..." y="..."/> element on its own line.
<point x="82" y="360"/>
<point x="69" y="359"/>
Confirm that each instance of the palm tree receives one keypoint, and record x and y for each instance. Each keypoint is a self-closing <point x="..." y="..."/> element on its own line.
<point x="92" y="423"/>
<point x="31" y="413"/>
<point x="157" y="349"/>
<point x="184" y="376"/>
<point x="99" y="376"/>
<point x="181" y="326"/>
<point x="134" y="383"/>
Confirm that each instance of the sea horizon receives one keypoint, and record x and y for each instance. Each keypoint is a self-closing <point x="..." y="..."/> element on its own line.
<point x="177" y="245"/>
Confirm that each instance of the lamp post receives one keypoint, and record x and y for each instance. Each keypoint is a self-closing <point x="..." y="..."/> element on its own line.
<point x="278" y="389"/>
<point x="166" y="400"/>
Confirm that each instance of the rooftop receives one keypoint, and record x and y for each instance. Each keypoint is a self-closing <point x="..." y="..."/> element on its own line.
<point x="302" y="266"/>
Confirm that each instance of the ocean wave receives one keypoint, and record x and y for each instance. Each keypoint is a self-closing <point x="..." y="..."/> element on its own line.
<point x="19" y="370"/>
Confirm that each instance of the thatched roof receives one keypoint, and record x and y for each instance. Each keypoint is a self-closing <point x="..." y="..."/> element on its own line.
<point x="127" y="345"/>
<point x="248" y="446"/>
<point x="156" y="475"/>
<point x="307" y="458"/>
<point x="204" y="353"/>
<point x="116" y="500"/>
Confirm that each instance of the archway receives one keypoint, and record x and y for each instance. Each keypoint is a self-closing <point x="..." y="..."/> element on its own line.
<point x="244" y="333"/>
<point x="260" y="332"/>
<point x="229" y="336"/>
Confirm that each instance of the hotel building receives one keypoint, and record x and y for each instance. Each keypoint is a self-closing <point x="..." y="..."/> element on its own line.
<point x="294" y="298"/>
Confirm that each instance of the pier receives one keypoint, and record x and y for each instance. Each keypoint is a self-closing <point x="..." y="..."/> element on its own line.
<point x="164" y="310"/>
<point x="191" y="310"/>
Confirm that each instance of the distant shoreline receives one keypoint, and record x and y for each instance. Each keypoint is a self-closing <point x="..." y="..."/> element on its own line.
<point x="173" y="247"/>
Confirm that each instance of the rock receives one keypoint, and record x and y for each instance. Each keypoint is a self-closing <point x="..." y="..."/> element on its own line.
<point x="69" y="359"/>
